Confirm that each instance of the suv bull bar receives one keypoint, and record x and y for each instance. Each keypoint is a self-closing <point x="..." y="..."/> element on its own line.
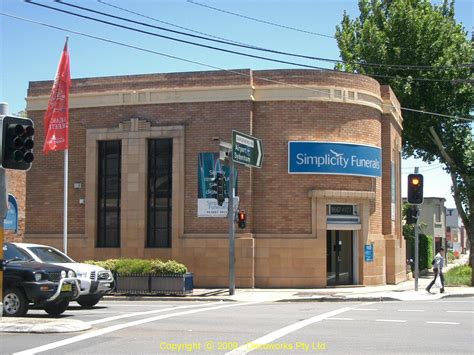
<point x="61" y="282"/>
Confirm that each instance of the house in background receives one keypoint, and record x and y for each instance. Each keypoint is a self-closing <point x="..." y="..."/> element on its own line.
<point x="433" y="215"/>
<point x="455" y="232"/>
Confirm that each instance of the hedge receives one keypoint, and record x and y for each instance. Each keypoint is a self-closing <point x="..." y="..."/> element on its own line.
<point x="425" y="250"/>
<point x="459" y="275"/>
<point x="141" y="266"/>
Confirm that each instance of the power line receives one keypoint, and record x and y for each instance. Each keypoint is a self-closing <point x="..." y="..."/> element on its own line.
<point x="261" y="21"/>
<point x="430" y="167"/>
<point x="177" y="39"/>
<point x="195" y="62"/>
<point x="218" y="48"/>
<point x="250" y="46"/>
<point x="234" y="43"/>
<point x="397" y="66"/>
<point x="436" y="114"/>
<point x="168" y="23"/>
<point x="422" y="169"/>
<point x="292" y="28"/>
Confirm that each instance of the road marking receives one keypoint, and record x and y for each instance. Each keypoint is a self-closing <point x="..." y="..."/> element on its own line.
<point x="339" y="319"/>
<point x="410" y="310"/>
<point x="255" y="344"/>
<point x="134" y="314"/>
<point x="364" y="309"/>
<point x="448" y="301"/>
<point x="391" y="320"/>
<point x="460" y="311"/>
<point x="114" y="328"/>
<point x="443" y="323"/>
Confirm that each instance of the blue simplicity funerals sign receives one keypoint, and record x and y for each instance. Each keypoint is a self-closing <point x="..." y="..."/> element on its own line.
<point x="334" y="158"/>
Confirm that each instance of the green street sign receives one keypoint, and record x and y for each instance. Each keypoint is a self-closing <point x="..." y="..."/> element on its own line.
<point x="246" y="149"/>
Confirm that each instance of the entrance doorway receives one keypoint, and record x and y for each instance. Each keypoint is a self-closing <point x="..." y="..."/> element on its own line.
<point x="339" y="256"/>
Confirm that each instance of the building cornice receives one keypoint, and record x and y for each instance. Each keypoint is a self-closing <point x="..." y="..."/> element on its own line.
<point x="214" y="94"/>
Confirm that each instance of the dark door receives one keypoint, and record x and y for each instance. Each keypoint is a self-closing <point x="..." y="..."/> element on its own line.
<point x="339" y="258"/>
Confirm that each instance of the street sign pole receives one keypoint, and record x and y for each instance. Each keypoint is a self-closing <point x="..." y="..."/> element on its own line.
<point x="230" y="216"/>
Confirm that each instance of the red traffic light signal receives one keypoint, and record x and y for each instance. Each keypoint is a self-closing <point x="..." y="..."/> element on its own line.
<point x="241" y="219"/>
<point x="415" y="189"/>
<point x="16" y="142"/>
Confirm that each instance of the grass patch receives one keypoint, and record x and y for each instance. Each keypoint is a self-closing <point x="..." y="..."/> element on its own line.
<point x="458" y="275"/>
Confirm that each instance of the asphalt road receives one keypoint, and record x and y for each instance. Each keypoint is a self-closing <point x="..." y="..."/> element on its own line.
<point x="139" y="327"/>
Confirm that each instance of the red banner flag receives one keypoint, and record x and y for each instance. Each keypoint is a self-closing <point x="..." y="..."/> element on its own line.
<point x="56" y="119"/>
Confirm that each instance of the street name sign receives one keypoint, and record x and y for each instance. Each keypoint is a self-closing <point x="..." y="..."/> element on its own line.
<point x="246" y="149"/>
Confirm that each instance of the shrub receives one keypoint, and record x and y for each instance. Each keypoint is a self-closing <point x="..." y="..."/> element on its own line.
<point x="133" y="266"/>
<point x="166" y="268"/>
<point x="141" y="266"/>
<point x="459" y="275"/>
<point x="425" y="250"/>
<point x="109" y="264"/>
<point x="451" y="256"/>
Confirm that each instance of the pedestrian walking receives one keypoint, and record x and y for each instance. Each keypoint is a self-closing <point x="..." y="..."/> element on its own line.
<point x="438" y="263"/>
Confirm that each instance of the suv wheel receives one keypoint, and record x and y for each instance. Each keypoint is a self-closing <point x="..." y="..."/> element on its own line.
<point x="56" y="308"/>
<point x="15" y="303"/>
<point x="89" y="301"/>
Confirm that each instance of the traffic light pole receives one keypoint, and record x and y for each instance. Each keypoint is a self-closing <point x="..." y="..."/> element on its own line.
<point x="417" y="267"/>
<point x="4" y="208"/>
<point x="231" y="218"/>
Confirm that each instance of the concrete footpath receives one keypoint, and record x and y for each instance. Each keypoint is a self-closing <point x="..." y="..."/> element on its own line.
<point x="402" y="292"/>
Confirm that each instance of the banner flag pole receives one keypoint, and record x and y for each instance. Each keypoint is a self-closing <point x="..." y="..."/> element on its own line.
<point x="56" y="124"/>
<point x="66" y="168"/>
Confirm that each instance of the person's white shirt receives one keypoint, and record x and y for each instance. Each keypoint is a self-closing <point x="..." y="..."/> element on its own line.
<point x="439" y="261"/>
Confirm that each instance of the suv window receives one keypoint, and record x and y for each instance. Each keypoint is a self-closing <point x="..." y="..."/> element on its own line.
<point x="12" y="252"/>
<point x="50" y="255"/>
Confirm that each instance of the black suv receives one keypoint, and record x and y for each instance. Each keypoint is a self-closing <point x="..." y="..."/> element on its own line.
<point x="46" y="286"/>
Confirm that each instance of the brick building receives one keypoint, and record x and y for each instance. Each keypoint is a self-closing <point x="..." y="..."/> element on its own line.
<point x="138" y="174"/>
<point x="16" y="186"/>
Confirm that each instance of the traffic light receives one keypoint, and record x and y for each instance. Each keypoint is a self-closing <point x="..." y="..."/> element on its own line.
<point x="241" y="219"/>
<point x="415" y="189"/>
<point x="16" y="142"/>
<point x="412" y="214"/>
<point x="218" y="188"/>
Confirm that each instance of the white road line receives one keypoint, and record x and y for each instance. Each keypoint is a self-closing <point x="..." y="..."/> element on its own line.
<point x="448" y="301"/>
<point x="138" y="304"/>
<point x="339" y="319"/>
<point x="410" y="310"/>
<point x="460" y="311"/>
<point x="114" y="328"/>
<point x="391" y="320"/>
<point x="451" y="323"/>
<point x="255" y="344"/>
<point x="364" y="309"/>
<point x="134" y="314"/>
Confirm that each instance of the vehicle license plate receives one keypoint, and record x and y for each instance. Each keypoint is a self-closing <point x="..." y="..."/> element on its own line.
<point x="66" y="288"/>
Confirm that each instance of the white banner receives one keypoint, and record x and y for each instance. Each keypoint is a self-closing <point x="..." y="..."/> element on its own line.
<point x="208" y="207"/>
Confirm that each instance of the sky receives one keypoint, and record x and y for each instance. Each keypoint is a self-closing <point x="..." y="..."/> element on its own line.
<point x="31" y="52"/>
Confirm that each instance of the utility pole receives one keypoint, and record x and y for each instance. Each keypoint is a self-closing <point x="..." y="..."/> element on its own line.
<point x="3" y="212"/>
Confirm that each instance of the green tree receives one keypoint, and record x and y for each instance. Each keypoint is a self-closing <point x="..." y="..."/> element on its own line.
<point x="414" y="39"/>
